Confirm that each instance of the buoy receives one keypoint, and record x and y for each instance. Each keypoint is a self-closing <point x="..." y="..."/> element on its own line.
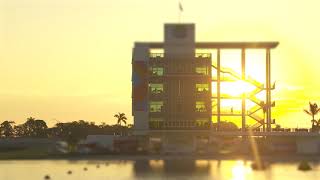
<point x="46" y="177"/>
<point x="304" y="166"/>
<point x="85" y="169"/>
<point x="69" y="172"/>
<point x="255" y="166"/>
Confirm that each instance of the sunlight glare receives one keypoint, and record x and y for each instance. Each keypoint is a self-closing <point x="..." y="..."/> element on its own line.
<point x="239" y="171"/>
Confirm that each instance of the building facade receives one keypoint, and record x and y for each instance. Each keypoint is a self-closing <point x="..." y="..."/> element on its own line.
<point x="176" y="92"/>
<point x="172" y="85"/>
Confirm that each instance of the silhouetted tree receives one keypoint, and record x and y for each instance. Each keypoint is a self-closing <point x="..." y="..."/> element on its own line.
<point x="313" y="111"/>
<point x="19" y="130"/>
<point x="6" y="129"/>
<point x="71" y="132"/>
<point x="121" y="117"/>
<point x="32" y="128"/>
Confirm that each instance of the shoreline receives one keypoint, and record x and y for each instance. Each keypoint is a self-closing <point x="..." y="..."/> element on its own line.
<point x="268" y="158"/>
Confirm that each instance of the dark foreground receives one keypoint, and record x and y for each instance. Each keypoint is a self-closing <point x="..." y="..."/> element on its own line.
<point x="127" y="167"/>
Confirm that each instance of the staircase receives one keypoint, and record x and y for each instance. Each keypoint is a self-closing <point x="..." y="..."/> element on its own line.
<point x="236" y="75"/>
<point x="256" y="126"/>
<point x="251" y="95"/>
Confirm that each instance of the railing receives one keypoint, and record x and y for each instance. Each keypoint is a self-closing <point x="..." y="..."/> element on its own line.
<point x="197" y="55"/>
<point x="203" y="55"/>
<point x="226" y="112"/>
<point x="201" y="110"/>
<point x="156" y="91"/>
<point x="156" y="55"/>
<point x="156" y="110"/>
<point x="157" y="74"/>
<point x="180" y="125"/>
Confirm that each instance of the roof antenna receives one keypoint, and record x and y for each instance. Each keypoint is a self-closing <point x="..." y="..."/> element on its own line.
<point x="180" y="11"/>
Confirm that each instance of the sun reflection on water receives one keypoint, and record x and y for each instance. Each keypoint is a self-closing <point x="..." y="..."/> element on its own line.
<point x="240" y="171"/>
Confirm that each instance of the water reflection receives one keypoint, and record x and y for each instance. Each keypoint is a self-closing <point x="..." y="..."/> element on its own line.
<point x="173" y="167"/>
<point x="240" y="171"/>
<point x="153" y="169"/>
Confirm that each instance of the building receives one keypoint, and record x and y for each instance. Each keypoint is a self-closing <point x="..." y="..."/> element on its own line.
<point x="171" y="90"/>
<point x="172" y="87"/>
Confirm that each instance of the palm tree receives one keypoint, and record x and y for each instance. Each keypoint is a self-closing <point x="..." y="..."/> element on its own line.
<point x="121" y="117"/>
<point x="313" y="111"/>
<point x="31" y="119"/>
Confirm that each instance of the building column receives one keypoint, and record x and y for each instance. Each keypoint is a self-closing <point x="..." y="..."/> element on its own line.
<point x="268" y="90"/>
<point x="218" y="90"/>
<point x="243" y="78"/>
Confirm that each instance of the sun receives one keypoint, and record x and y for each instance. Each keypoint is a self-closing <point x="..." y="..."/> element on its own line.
<point x="236" y="88"/>
<point x="232" y="87"/>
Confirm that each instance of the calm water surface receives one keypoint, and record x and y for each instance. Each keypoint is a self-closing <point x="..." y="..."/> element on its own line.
<point x="151" y="169"/>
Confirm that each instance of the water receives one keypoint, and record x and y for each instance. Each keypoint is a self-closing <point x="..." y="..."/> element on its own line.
<point x="152" y="169"/>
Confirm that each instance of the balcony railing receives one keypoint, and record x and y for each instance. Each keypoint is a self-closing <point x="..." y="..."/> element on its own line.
<point x="181" y="125"/>
<point x="201" y="110"/>
<point x="156" y="91"/>
<point x="203" y="55"/>
<point x="156" y="109"/>
<point x="156" y="55"/>
<point x="197" y="55"/>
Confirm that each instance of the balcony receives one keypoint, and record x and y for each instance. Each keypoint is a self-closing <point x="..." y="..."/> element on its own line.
<point x="203" y="55"/>
<point x="203" y="94"/>
<point x="156" y="107"/>
<point x="160" y="56"/>
<point x="201" y="110"/>
<point x="156" y="94"/>
<point x="156" y="57"/>
<point x="178" y="125"/>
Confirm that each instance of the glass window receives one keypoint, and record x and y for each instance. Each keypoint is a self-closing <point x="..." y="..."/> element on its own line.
<point x="156" y="106"/>
<point x="156" y="122"/>
<point x="156" y="88"/>
<point x="202" y="70"/>
<point x="202" y="122"/>
<point x="202" y="87"/>
<point x="157" y="71"/>
<point x="201" y="106"/>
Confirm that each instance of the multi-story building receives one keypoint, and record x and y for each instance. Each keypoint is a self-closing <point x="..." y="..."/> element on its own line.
<point x="172" y="89"/>
<point x="172" y="86"/>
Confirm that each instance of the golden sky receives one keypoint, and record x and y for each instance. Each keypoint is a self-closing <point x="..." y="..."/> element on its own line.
<point x="63" y="60"/>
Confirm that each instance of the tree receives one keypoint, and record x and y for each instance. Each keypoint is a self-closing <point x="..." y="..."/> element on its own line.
<point x="32" y="128"/>
<point x="6" y="129"/>
<point x="313" y="111"/>
<point x="121" y="117"/>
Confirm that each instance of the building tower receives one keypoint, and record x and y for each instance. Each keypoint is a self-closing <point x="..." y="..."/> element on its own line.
<point x="172" y="86"/>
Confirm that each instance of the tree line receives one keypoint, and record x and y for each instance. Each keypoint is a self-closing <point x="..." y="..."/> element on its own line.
<point x="70" y="131"/>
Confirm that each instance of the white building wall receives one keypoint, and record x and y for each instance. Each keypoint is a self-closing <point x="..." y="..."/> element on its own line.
<point x="141" y="120"/>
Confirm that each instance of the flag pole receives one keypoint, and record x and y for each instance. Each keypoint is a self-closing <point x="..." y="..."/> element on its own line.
<point x="180" y="11"/>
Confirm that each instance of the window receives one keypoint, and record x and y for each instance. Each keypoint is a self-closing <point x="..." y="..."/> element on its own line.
<point x="202" y="122"/>
<point x="202" y="87"/>
<point x="202" y="70"/>
<point x="156" y="106"/>
<point x="156" y="123"/>
<point x="156" y="88"/>
<point x="201" y="106"/>
<point x="157" y="71"/>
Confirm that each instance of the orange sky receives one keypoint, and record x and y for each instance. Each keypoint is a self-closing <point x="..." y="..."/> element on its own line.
<point x="69" y="60"/>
